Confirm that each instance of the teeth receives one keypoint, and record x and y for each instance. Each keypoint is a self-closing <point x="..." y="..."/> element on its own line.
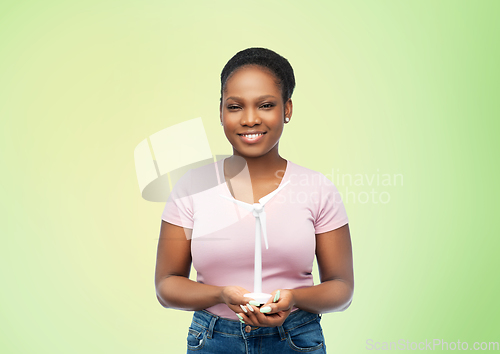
<point x="252" y="135"/>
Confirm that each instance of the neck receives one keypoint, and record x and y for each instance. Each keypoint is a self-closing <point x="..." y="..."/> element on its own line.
<point x="263" y="166"/>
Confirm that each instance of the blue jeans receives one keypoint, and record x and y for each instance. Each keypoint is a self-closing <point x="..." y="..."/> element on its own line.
<point x="301" y="332"/>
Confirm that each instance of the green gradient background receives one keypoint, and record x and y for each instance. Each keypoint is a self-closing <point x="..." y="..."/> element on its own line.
<point x="383" y="87"/>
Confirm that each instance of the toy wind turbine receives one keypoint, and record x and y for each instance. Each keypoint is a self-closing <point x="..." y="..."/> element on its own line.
<point x="258" y="211"/>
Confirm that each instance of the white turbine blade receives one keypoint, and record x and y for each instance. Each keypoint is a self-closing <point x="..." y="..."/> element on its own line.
<point x="247" y="206"/>
<point x="257" y="272"/>
<point x="268" y="197"/>
<point x="262" y="218"/>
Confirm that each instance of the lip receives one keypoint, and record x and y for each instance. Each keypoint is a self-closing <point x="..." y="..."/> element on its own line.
<point x="252" y="132"/>
<point x="251" y="141"/>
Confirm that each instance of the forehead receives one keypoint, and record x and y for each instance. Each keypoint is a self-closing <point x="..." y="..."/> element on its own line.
<point x="251" y="78"/>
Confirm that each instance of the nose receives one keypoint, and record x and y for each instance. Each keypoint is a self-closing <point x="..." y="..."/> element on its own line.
<point x="250" y="118"/>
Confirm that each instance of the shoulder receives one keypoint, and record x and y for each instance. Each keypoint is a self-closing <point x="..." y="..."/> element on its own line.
<point x="201" y="178"/>
<point x="304" y="176"/>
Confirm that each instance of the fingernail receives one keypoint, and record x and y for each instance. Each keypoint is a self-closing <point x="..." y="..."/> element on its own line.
<point x="255" y="303"/>
<point x="244" y="308"/>
<point x="250" y="307"/>
<point x="277" y="296"/>
<point x="265" y="309"/>
<point x="241" y="318"/>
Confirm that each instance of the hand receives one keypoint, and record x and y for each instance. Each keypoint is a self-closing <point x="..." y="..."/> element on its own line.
<point x="233" y="297"/>
<point x="278" y="314"/>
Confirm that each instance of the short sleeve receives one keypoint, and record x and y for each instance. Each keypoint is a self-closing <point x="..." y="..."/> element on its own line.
<point x="330" y="213"/>
<point x="179" y="206"/>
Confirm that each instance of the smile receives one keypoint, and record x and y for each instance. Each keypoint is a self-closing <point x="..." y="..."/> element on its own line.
<point x="251" y="138"/>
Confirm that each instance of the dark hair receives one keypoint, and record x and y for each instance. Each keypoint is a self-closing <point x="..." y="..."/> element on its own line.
<point x="266" y="58"/>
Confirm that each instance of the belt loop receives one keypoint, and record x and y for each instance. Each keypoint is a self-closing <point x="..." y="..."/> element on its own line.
<point x="282" y="332"/>
<point x="211" y="326"/>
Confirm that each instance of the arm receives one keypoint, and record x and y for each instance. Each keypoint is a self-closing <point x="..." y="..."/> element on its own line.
<point x="174" y="289"/>
<point x="334" y="256"/>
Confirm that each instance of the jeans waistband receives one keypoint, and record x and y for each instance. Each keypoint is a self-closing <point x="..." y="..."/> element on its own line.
<point x="234" y="327"/>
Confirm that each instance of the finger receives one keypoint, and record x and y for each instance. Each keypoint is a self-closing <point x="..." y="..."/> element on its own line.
<point x="250" y="314"/>
<point x="247" y="319"/>
<point x="274" y="307"/>
<point x="276" y="319"/>
<point x="251" y="308"/>
<point x="257" y="318"/>
<point x="263" y="317"/>
<point x="252" y="319"/>
<point x="269" y="309"/>
<point x="276" y="296"/>
<point x="244" y="308"/>
<point x="240" y="316"/>
<point x="268" y="320"/>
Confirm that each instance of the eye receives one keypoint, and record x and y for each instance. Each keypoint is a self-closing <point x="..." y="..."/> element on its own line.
<point x="232" y="107"/>
<point x="269" y="105"/>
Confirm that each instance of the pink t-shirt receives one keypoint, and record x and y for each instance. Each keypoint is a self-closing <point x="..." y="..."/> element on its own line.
<point x="223" y="237"/>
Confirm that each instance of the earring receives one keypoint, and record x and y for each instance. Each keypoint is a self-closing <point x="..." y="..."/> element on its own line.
<point x="287" y="119"/>
<point x="221" y="123"/>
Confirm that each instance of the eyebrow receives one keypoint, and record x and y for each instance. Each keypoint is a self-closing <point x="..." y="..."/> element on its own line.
<point x="259" y="98"/>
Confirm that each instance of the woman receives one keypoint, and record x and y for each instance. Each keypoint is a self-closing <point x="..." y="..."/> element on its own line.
<point x="305" y="218"/>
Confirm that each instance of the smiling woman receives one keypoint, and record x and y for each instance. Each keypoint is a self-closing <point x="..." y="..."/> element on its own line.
<point x="211" y="230"/>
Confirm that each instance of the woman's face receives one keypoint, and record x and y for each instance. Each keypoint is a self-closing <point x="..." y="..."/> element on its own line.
<point x="251" y="103"/>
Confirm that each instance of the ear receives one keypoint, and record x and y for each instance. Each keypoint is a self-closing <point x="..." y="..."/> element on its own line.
<point x="220" y="111"/>
<point x="289" y="109"/>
